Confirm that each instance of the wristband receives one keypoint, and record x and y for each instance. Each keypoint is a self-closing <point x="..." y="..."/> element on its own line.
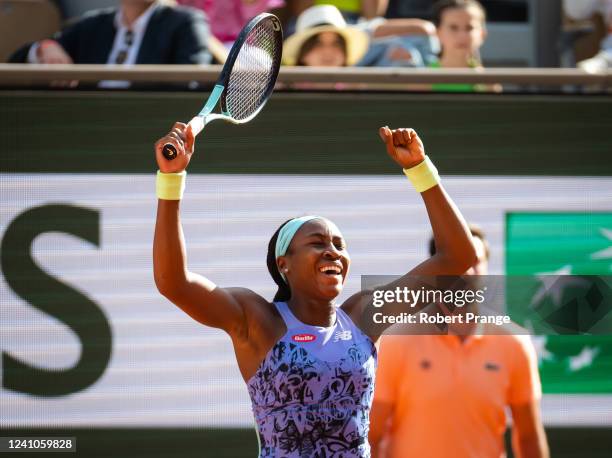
<point x="170" y="186"/>
<point x="423" y="176"/>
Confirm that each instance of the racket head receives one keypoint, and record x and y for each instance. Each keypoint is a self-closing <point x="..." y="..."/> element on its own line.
<point x="251" y="68"/>
<point x="247" y="78"/>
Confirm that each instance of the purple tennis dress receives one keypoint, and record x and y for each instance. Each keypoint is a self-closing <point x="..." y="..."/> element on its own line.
<point x="313" y="391"/>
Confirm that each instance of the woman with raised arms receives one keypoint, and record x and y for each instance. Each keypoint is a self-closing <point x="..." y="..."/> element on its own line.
<point x="308" y="362"/>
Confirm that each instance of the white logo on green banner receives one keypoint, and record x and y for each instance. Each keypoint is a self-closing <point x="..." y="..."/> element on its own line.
<point x="547" y="244"/>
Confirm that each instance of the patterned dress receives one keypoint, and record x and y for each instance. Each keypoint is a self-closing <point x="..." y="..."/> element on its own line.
<point x="313" y="392"/>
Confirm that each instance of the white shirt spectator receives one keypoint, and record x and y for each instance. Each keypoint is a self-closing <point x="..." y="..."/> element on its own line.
<point x="139" y="26"/>
<point x="583" y="9"/>
<point x="120" y="44"/>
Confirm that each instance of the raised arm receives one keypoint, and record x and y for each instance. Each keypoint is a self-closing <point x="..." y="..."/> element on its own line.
<point x="402" y="27"/>
<point x="199" y="297"/>
<point x="455" y="251"/>
<point x="373" y="8"/>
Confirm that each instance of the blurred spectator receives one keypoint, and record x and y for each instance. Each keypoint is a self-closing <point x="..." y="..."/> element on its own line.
<point x="323" y="38"/>
<point x="584" y="9"/>
<point x="135" y="32"/>
<point x="439" y="396"/>
<point x="352" y="10"/>
<point x="227" y="17"/>
<point x="461" y="28"/>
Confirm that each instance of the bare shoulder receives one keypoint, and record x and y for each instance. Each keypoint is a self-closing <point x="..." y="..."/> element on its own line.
<point x="354" y="307"/>
<point x="262" y="317"/>
<point x="252" y="303"/>
<point x="245" y="296"/>
<point x="355" y="304"/>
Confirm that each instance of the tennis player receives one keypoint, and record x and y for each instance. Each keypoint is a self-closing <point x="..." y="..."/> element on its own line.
<point x="308" y="365"/>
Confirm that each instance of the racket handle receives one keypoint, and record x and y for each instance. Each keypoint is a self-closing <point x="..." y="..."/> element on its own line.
<point x="196" y="124"/>
<point x="169" y="151"/>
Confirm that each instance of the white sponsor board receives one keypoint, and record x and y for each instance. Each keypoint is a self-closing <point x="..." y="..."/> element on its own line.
<point x="167" y="370"/>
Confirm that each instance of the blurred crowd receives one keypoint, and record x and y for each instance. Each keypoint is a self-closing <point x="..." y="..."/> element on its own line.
<point x="381" y="33"/>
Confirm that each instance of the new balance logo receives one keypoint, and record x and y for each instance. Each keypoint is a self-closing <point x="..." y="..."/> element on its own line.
<point x="343" y="335"/>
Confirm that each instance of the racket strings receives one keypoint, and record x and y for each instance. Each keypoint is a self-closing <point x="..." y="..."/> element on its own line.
<point x="253" y="74"/>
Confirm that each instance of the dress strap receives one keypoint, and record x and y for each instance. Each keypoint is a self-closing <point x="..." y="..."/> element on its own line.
<point x="343" y="319"/>
<point x="290" y="320"/>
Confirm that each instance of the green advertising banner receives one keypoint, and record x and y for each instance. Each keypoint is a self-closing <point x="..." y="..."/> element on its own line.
<point x="548" y="245"/>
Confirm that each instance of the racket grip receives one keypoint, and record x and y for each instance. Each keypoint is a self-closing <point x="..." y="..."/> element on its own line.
<point x="169" y="151"/>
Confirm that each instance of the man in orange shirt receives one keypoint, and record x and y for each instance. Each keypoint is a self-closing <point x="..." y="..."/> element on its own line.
<point x="445" y="395"/>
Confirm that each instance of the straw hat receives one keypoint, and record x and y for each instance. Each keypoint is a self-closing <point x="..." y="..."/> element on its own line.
<point x="324" y="18"/>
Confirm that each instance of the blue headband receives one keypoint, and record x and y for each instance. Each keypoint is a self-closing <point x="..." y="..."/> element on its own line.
<point x="287" y="233"/>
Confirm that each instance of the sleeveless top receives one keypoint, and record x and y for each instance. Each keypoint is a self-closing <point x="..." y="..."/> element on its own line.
<point x="313" y="391"/>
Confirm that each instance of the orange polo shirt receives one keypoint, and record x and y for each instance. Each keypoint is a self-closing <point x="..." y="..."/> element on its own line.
<point x="450" y="397"/>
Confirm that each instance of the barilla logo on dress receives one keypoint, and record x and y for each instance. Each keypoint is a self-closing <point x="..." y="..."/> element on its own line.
<point x="303" y="337"/>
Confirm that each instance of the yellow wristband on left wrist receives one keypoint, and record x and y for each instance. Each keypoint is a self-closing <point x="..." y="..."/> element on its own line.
<point x="423" y="176"/>
<point x="170" y="186"/>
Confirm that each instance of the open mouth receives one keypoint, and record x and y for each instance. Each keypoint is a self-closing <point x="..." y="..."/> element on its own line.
<point x="330" y="270"/>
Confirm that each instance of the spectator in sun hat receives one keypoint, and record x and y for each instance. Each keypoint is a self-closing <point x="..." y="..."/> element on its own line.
<point x="323" y="38"/>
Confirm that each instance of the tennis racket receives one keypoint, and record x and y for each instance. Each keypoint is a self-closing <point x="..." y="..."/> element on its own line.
<point x="247" y="78"/>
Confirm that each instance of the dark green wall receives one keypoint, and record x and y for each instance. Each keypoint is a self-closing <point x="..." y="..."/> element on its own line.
<point x="310" y="133"/>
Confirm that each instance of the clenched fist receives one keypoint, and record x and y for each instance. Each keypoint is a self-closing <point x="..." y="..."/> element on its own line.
<point x="403" y="145"/>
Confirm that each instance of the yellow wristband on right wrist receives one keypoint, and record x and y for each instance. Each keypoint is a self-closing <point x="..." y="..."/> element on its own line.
<point x="423" y="176"/>
<point x="170" y="186"/>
